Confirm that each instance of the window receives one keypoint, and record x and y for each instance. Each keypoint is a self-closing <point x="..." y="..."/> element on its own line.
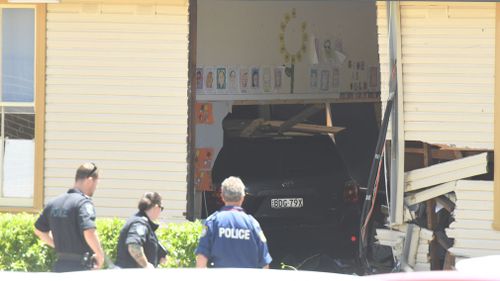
<point x="21" y="86"/>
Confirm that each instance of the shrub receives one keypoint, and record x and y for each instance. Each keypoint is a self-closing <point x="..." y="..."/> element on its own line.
<point x="109" y="231"/>
<point x="181" y="241"/>
<point x="21" y="250"/>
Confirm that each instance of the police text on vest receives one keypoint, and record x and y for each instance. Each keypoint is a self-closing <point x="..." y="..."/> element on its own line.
<point x="234" y="233"/>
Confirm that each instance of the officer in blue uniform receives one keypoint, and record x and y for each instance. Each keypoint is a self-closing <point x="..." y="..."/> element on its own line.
<point x="67" y="224"/>
<point x="138" y="245"/>
<point x="230" y="237"/>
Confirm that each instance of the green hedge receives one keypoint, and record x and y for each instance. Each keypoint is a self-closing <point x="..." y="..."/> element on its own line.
<point x="21" y="250"/>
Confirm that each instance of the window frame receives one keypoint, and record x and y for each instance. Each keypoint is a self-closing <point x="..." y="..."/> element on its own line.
<point x="36" y="203"/>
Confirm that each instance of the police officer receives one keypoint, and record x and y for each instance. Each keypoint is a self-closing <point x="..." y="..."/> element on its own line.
<point x="138" y="245"/>
<point x="67" y="224"/>
<point x="230" y="237"/>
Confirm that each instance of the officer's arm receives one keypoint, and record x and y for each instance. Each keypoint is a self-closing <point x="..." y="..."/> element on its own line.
<point x="137" y="252"/>
<point x="46" y="237"/>
<point x="201" y="261"/>
<point x="94" y="244"/>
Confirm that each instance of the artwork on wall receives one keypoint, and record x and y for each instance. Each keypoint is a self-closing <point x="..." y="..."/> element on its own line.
<point x="255" y="79"/>
<point x="232" y="80"/>
<point x="221" y="79"/>
<point x="267" y="85"/>
<point x="278" y="79"/>
<point x="204" y="113"/>
<point x="209" y="80"/>
<point x="268" y="79"/>
<point x="204" y="158"/>
<point x="244" y="79"/>
<point x="199" y="79"/>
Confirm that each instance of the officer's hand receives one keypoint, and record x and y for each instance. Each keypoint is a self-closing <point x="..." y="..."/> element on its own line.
<point x="163" y="260"/>
<point x="99" y="261"/>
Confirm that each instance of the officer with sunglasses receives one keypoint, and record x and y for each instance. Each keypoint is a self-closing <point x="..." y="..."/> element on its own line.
<point x="138" y="245"/>
<point x="67" y="224"/>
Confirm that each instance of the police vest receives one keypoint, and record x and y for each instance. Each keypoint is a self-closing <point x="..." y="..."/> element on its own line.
<point x="138" y="229"/>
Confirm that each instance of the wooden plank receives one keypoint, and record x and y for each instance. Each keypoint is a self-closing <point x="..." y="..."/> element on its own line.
<point x="472" y="252"/>
<point x="306" y="128"/>
<point x="479" y="205"/>
<point x="329" y="119"/>
<point x="445" y="167"/>
<point x="387" y="234"/>
<point x="412" y="253"/>
<point x="478" y="244"/>
<point x="391" y="243"/>
<point x="477" y="234"/>
<point x="251" y="128"/>
<point x="474" y="185"/>
<point x="443" y="177"/>
<point x="471" y="224"/>
<point x="474" y="215"/>
<point x="430" y="193"/>
<point x="486" y="196"/>
<point x="302" y="116"/>
<point x="408" y="245"/>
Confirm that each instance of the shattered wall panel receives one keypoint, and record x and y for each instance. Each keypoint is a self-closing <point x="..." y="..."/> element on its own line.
<point x="472" y="228"/>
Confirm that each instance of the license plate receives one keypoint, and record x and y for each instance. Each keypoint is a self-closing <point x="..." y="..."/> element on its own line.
<point x="281" y="203"/>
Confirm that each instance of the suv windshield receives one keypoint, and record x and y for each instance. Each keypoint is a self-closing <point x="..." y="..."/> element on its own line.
<point x="285" y="157"/>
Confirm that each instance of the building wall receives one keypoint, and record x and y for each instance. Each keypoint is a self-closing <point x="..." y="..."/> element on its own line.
<point x="473" y="226"/>
<point x="116" y="95"/>
<point x="448" y="55"/>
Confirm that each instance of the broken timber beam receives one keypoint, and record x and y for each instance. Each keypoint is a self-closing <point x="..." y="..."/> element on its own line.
<point x="305" y="128"/>
<point x="251" y="128"/>
<point x="302" y="116"/>
<point x="447" y="171"/>
<point x="430" y="193"/>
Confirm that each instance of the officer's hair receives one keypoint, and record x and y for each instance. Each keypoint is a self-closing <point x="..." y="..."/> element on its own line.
<point x="149" y="200"/>
<point x="232" y="189"/>
<point x="87" y="170"/>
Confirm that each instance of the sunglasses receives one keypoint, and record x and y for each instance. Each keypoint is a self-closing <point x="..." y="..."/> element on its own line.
<point x="92" y="171"/>
<point x="161" y="207"/>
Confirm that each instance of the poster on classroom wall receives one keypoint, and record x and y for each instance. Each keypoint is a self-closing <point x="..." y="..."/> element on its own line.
<point x="267" y="79"/>
<point x="209" y="85"/>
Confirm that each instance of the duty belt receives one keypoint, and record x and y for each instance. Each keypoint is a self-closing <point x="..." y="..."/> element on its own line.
<point x="70" y="256"/>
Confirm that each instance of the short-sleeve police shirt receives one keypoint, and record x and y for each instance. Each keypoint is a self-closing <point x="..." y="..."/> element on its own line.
<point x="140" y="230"/>
<point x="67" y="216"/>
<point x="232" y="238"/>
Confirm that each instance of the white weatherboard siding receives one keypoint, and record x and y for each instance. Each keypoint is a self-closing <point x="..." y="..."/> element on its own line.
<point x="472" y="228"/>
<point x="117" y="96"/>
<point x="448" y="52"/>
